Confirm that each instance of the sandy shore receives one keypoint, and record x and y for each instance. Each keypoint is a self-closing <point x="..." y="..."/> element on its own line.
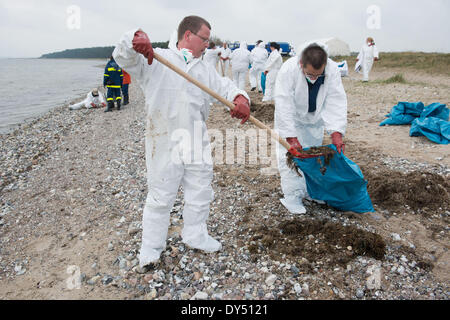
<point x="73" y="187"/>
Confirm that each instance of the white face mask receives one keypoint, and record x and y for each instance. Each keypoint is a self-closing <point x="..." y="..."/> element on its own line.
<point x="187" y="55"/>
<point x="309" y="80"/>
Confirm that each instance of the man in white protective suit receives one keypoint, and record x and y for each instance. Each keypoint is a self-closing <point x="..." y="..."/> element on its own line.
<point x="224" y="64"/>
<point x="366" y="57"/>
<point x="273" y="64"/>
<point x="212" y="54"/>
<point x="309" y="98"/>
<point x="258" y="56"/>
<point x="240" y="61"/>
<point x="94" y="99"/>
<point x="177" y="145"/>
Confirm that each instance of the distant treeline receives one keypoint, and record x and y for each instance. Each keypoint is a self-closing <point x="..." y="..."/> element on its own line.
<point x="91" y="53"/>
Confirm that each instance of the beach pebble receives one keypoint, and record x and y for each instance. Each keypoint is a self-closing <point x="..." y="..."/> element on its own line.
<point x="200" y="295"/>
<point x="396" y="237"/>
<point x="20" y="270"/>
<point x="298" y="288"/>
<point x="93" y="280"/>
<point x="107" y="279"/>
<point x="133" y="228"/>
<point x="359" y="293"/>
<point x="270" y="280"/>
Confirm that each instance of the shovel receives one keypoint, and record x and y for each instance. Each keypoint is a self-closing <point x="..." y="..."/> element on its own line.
<point x="229" y="104"/>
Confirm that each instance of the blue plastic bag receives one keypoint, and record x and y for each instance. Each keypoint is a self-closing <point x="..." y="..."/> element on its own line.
<point x="435" y="129"/>
<point x="403" y="113"/>
<point x="437" y="110"/>
<point x="263" y="82"/>
<point x="342" y="186"/>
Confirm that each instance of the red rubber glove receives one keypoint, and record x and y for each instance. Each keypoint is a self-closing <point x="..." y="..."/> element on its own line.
<point x="295" y="152"/>
<point x="103" y="104"/>
<point x="241" y="109"/>
<point x="142" y="44"/>
<point x="294" y="143"/>
<point x="296" y="147"/>
<point x="336" y="139"/>
<point x="93" y="105"/>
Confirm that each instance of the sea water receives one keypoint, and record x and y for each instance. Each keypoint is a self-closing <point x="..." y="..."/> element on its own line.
<point x="32" y="87"/>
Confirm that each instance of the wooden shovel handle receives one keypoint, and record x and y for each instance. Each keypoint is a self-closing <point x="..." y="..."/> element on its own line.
<point x="215" y="95"/>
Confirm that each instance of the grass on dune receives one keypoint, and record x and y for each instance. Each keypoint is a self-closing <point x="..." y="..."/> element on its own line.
<point x="431" y="63"/>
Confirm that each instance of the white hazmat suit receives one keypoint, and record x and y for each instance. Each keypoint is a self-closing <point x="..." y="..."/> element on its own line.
<point x="224" y="65"/>
<point x="212" y="56"/>
<point x="91" y="101"/>
<point x="273" y="64"/>
<point x="292" y="119"/>
<point x="176" y="144"/>
<point x="259" y="56"/>
<point x="240" y="60"/>
<point x="365" y="60"/>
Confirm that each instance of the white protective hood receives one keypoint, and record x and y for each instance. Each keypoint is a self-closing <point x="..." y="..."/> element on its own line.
<point x="173" y="40"/>
<point x="240" y="58"/>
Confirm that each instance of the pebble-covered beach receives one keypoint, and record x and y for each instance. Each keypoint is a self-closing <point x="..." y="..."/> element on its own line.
<point x="73" y="187"/>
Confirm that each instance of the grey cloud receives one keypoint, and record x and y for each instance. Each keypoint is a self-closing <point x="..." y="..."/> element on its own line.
<point x="405" y="25"/>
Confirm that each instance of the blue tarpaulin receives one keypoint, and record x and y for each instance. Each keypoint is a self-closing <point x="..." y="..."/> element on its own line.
<point x="435" y="129"/>
<point x="403" y="113"/>
<point x="342" y="186"/>
<point x="430" y="121"/>
<point x="436" y="110"/>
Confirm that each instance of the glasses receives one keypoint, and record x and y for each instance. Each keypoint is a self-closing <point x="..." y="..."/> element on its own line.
<point x="313" y="76"/>
<point x="205" y="40"/>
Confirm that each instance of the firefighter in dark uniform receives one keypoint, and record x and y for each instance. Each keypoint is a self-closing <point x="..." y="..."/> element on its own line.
<point x="113" y="79"/>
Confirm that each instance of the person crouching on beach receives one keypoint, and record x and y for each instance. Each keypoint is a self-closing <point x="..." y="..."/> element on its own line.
<point x="94" y="99"/>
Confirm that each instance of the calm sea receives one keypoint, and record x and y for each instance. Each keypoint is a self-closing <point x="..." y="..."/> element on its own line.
<point x="31" y="87"/>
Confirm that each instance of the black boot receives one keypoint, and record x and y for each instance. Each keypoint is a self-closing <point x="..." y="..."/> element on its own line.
<point x="125" y="100"/>
<point x="118" y="104"/>
<point x="110" y="106"/>
<point x="253" y="89"/>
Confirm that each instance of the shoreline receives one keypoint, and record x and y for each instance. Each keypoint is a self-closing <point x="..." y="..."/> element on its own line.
<point x="24" y="104"/>
<point x="26" y="134"/>
<point x="32" y="119"/>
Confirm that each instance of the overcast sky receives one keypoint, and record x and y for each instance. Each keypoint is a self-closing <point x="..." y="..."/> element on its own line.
<point x="31" y="28"/>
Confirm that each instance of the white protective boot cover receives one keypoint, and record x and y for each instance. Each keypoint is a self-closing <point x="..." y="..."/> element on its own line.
<point x="293" y="204"/>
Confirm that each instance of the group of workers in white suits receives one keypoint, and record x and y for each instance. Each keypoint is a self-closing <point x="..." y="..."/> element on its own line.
<point x="309" y="98"/>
